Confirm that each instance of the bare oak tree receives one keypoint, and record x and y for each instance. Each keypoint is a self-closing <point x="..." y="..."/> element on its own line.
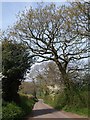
<point x="55" y="33"/>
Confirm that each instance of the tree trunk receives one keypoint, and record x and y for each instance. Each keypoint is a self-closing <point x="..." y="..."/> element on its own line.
<point x="70" y="89"/>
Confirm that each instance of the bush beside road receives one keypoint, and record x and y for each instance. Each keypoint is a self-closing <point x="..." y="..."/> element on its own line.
<point x="13" y="111"/>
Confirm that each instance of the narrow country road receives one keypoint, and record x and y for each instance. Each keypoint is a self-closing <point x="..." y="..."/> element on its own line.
<point x="42" y="110"/>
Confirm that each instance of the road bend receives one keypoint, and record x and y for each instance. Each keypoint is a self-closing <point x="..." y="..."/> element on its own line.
<point x="42" y="110"/>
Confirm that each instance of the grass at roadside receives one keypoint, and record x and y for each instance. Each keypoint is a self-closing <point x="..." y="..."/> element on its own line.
<point x="12" y="111"/>
<point x="81" y="111"/>
<point x="75" y="106"/>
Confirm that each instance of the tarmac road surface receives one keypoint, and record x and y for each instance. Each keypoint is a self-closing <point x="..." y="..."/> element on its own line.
<point x="42" y="110"/>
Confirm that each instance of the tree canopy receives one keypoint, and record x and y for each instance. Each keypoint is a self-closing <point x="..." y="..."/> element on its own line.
<point x="55" y="33"/>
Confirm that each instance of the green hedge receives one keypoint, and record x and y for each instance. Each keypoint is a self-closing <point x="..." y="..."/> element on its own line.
<point x="26" y="104"/>
<point x="13" y="111"/>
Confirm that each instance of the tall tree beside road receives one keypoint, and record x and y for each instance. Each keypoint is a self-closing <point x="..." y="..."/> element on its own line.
<point x="55" y="33"/>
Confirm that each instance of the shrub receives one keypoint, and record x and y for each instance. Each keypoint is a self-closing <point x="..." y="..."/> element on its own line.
<point x="11" y="112"/>
<point x="26" y="104"/>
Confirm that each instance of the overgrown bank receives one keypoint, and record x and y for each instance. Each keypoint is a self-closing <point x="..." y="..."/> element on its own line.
<point x="59" y="102"/>
<point x="13" y="111"/>
<point x="16" y="61"/>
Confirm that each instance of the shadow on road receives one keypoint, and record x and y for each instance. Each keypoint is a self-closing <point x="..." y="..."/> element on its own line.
<point x="39" y="112"/>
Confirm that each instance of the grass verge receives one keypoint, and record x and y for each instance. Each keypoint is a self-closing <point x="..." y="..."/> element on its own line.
<point x="75" y="106"/>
